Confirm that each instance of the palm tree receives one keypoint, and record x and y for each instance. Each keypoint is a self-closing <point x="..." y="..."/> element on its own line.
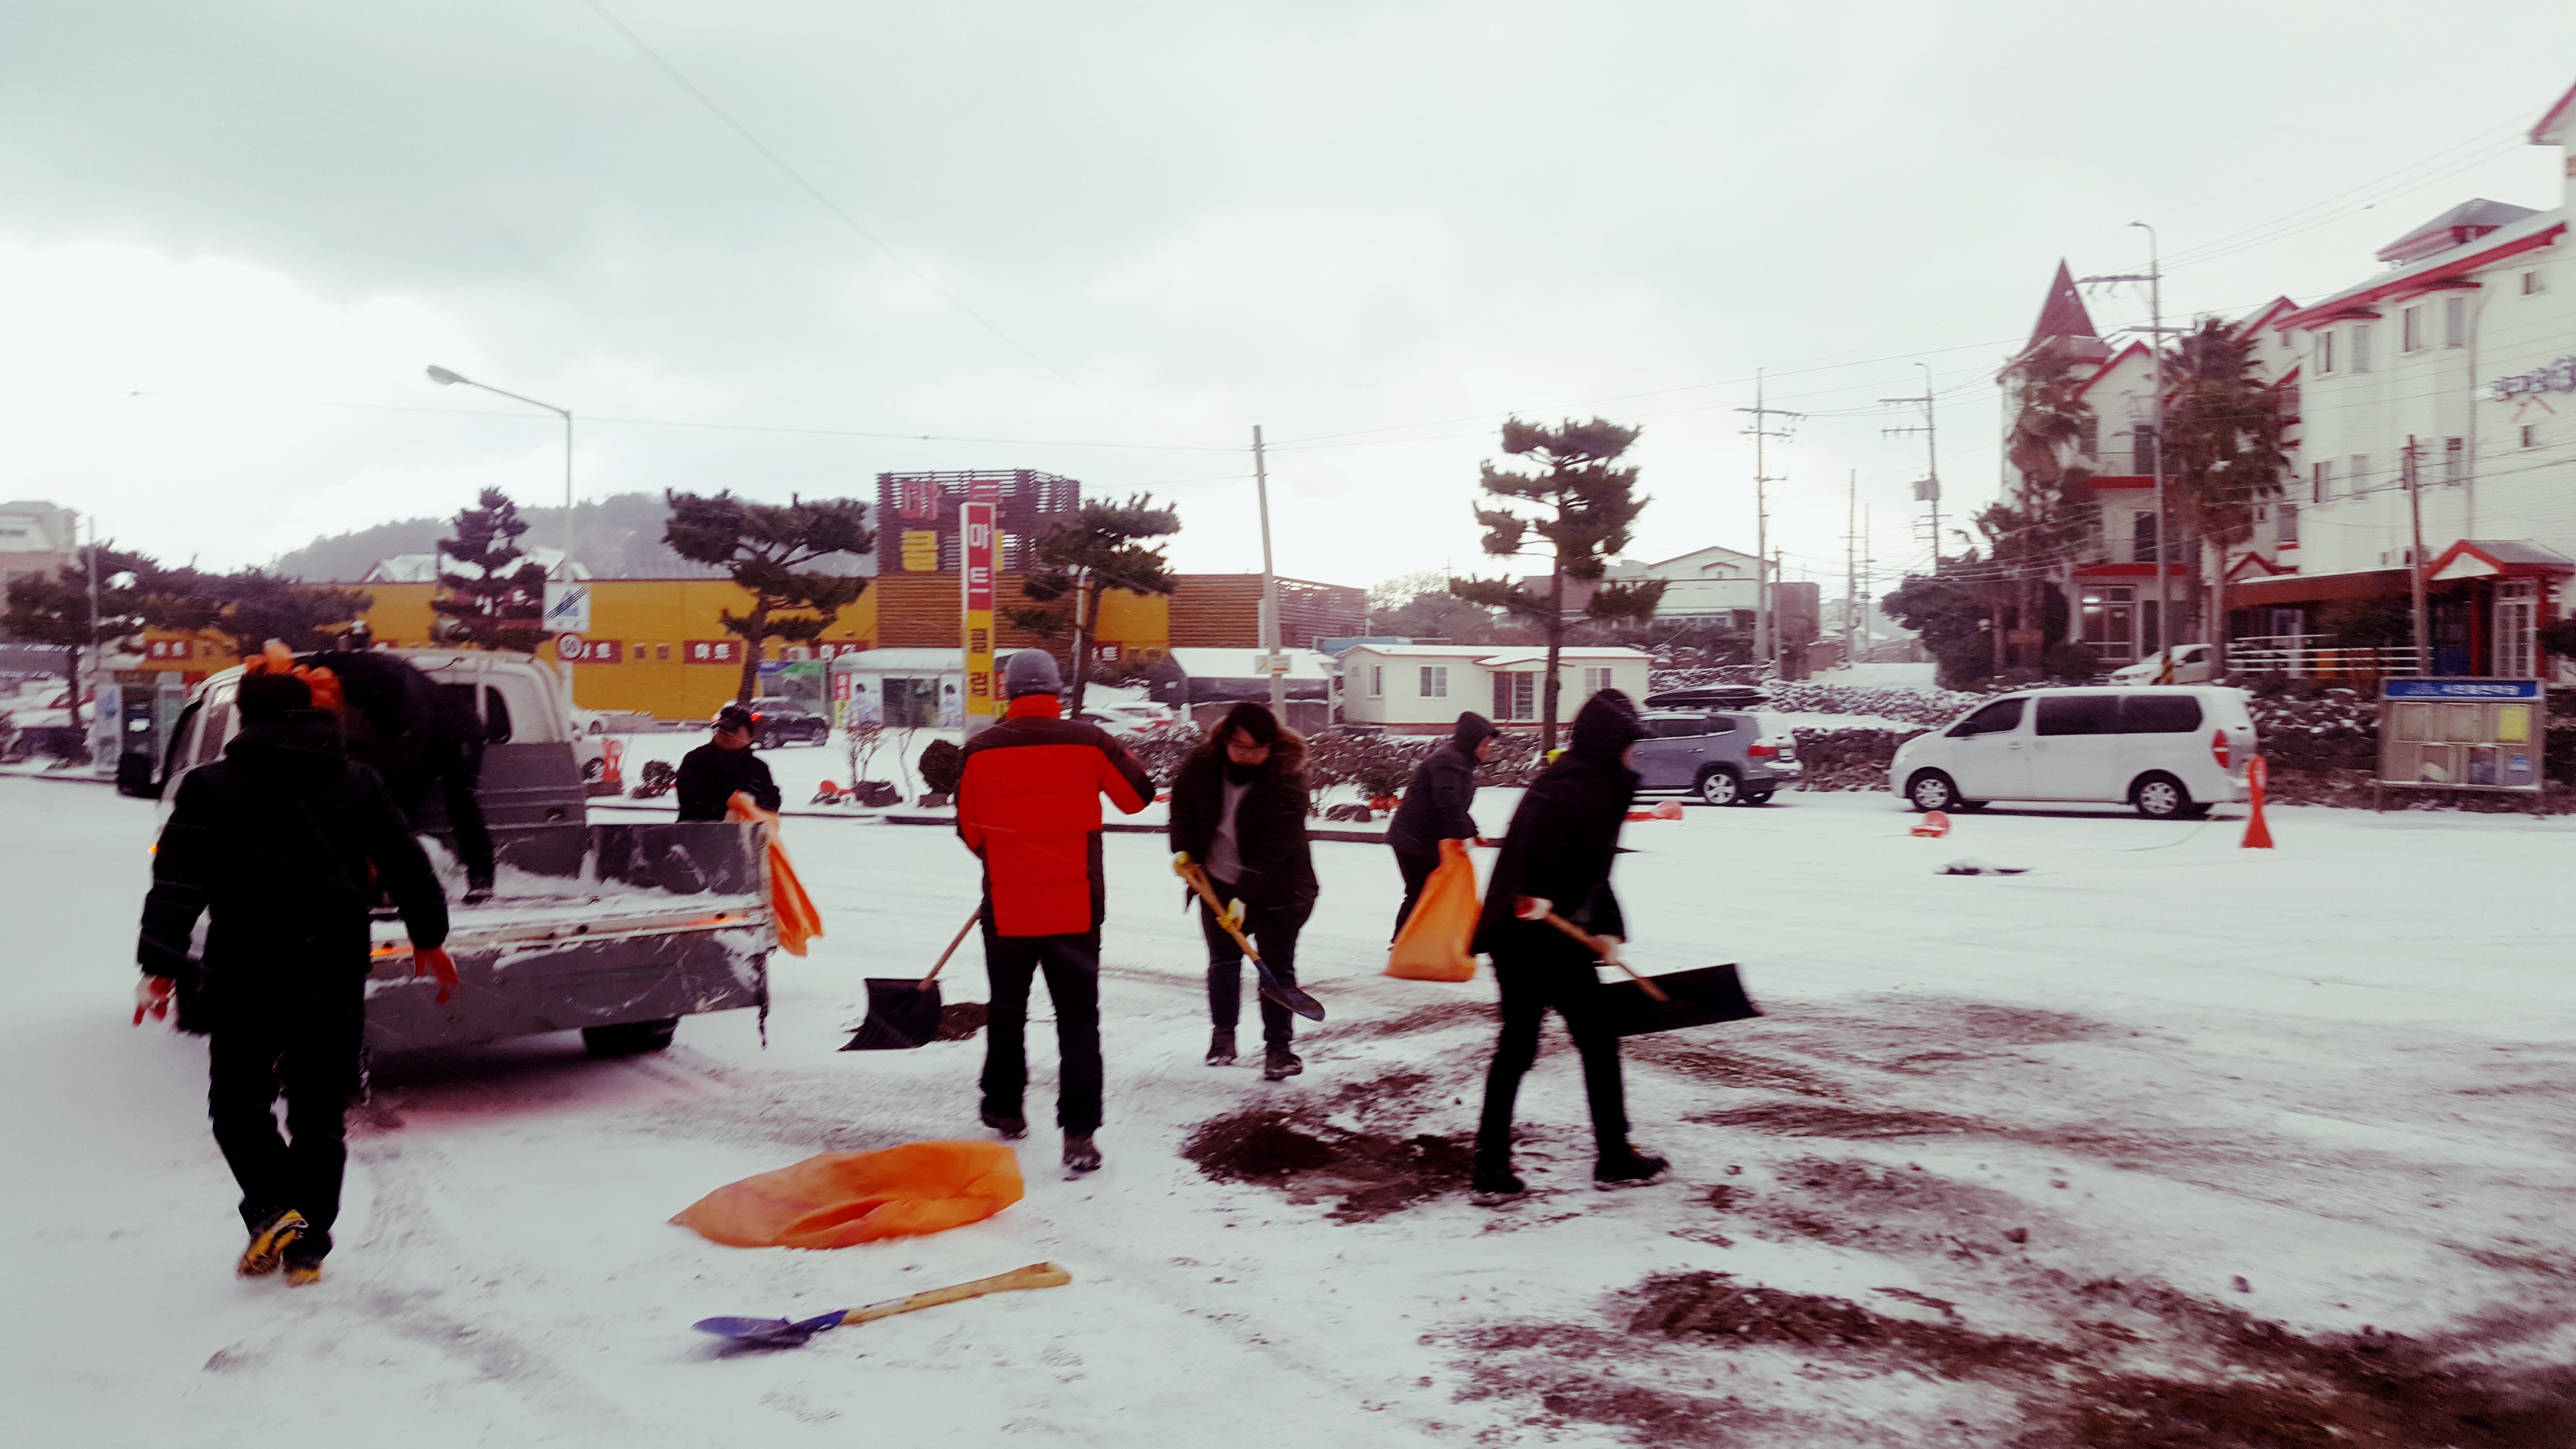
<point x="2223" y="453"/>
<point x="2035" y="534"/>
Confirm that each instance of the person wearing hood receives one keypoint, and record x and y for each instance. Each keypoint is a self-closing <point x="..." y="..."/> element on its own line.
<point x="1556" y="857"/>
<point x="713" y="773"/>
<point x="1438" y="806"/>
<point x="1028" y="805"/>
<point x="282" y="843"/>
<point x="1239" y="808"/>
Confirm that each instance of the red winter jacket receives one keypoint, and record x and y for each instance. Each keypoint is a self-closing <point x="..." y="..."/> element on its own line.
<point x="1029" y="805"/>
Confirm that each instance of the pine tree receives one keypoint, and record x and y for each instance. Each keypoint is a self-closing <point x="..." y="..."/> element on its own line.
<point x="769" y="549"/>
<point x="1073" y="563"/>
<point x="1584" y="505"/>
<point x="492" y="599"/>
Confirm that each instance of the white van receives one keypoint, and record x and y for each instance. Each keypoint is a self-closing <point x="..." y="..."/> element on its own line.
<point x="2192" y="664"/>
<point x="2172" y="751"/>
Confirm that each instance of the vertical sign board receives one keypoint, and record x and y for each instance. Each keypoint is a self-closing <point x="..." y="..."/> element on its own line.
<point x="2461" y="734"/>
<point x="975" y="524"/>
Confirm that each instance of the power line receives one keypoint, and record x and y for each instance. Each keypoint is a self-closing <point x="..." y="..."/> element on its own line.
<point x="824" y="199"/>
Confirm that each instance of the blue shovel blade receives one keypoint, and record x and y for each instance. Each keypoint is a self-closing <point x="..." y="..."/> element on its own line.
<point x="769" y="1332"/>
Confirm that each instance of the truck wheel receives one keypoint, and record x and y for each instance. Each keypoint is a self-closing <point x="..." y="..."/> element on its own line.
<point x="1931" y="790"/>
<point x="2160" y="796"/>
<point x="1721" y="787"/>
<point x="629" y="1039"/>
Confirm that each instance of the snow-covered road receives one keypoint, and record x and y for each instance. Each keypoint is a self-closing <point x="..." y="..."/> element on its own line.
<point x="2036" y="1155"/>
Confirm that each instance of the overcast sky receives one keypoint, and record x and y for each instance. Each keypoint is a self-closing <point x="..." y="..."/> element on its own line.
<point x="1110" y="238"/>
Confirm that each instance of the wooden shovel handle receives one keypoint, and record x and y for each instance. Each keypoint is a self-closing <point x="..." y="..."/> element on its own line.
<point x="1601" y="948"/>
<point x="953" y="943"/>
<point x="1199" y="882"/>
<point x="1035" y="1275"/>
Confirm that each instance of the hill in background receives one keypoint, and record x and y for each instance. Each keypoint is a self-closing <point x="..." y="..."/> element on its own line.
<point x="619" y="537"/>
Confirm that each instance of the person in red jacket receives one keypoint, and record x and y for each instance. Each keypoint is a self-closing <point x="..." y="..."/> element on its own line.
<point x="1028" y="805"/>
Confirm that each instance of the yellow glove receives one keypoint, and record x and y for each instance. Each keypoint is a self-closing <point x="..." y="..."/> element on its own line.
<point x="1181" y="864"/>
<point x="1233" y="916"/>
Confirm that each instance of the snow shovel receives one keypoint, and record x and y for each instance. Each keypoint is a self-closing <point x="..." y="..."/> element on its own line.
<point x="1272" y="987"/>
<point x="904" y="1013"/>
<point x="780" y="1333"/>
<point x="1645" y="1003"/>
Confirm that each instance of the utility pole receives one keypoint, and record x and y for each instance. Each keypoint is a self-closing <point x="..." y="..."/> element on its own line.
<point x="1766" y="635"/>
<point x="1851" y="565"/>
<point x="97" y="697"/>
<point x="1269" y="586"/>
<point x="2154" y="277"/>
<point x="1929" y="490"/>
<point x="2410" y="472"/>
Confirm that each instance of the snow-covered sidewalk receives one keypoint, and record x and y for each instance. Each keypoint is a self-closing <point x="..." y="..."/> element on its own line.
<point x="2038" y="1155"/>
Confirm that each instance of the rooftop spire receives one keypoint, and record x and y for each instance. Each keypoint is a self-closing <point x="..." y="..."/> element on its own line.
<point x="2064" y="314"/>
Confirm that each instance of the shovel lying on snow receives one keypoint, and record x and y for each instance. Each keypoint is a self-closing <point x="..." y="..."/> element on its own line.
<point x="904" y="1013"/>
<point x="1645" y="1003"/>
<point x="1231" y="918"/>
<point x="781" y="1333"/>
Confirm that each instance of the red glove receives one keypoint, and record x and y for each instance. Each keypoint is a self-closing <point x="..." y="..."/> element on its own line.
<point x="436" y="962"/>
<point x="152" y="994"/>
<point x="1532" y="908"/>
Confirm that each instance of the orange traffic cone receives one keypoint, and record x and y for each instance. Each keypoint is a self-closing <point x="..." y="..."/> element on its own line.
<point x="1934" y="824"/>
<point x="2258" y="836"/>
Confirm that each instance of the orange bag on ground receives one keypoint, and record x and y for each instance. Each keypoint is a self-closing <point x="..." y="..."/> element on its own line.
<point x="842" y="1198"/>
<point x="1433" y="944"/>
<point x="798" y="921"/>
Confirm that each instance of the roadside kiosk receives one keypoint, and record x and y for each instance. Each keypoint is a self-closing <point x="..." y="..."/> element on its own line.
<point x="2461" y="734"/>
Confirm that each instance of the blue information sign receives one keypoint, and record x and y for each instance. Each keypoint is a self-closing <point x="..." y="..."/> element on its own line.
<point x="2459" y="689"/>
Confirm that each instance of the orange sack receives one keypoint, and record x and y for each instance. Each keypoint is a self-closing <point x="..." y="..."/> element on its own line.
<point x="793" y="910"/>
<point x="842" y="1198"/>
<point x="1433" y="944"/>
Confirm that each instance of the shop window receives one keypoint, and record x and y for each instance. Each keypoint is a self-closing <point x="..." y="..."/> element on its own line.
<point x="2110" y="620"/>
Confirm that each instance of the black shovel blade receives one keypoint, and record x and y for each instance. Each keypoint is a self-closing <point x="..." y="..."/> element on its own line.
<point x="1699" y="998"/>
<point x="902" y="1014"/>
<point x="768" y="1332"/>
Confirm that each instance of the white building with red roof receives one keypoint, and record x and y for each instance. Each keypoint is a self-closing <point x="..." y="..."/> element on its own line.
<point x="2442" y="388"/>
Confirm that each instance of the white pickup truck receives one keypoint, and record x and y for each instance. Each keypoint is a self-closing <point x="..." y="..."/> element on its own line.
<point x="615" y="930"/>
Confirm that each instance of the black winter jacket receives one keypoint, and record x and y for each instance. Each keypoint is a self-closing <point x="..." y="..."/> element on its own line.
<point x="710" y="774"/>
<point x="1436" y="805"/>
<point x="1563" y="838"/>
<point x="1269" y="825"/>
<point x="283" y="842"/>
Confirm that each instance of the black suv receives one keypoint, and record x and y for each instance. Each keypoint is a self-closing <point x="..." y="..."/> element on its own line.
<point x="775" y="722"/>
<point x="1709" y="696"/>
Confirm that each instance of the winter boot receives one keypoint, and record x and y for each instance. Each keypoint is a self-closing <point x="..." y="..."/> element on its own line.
<point x="302" y="1270"/>
<point x="478" y="889"/>
<point x="1495" y="1183"/>
<point x="269" y="1241"/>
<point x="1080" y="1154"/>
<point x="1013" y="1128"/>
<point x="1632" y="1169"/>
<point x="1281" y="1065"/>
<point x="1220" y="1048"/>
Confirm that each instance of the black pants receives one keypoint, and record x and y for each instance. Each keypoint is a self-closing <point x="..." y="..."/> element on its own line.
<point x="1531" y="985"/>
<point x="458" y="770"/>
<point x="1072" y="967"/>
<point x="1274" y="935"/>
<point x="301" y="1038"/>
<point x="1417" y="866"/>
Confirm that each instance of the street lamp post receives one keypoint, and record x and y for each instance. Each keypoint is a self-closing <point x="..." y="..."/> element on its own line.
<point x="444" y="378"/>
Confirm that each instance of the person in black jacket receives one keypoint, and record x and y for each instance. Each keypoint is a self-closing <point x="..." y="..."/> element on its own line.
<point x="711" y="773"/>
<point x="1239" y="811"/>
<point x="283" y="842"/>
<point x="1437" y="806"/>
<point x="415" y="733"/>
<point x="1557" y="857"/>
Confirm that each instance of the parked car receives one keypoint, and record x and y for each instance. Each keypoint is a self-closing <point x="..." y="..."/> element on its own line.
<point x="2192" y="665"/>
<point x="1129" y="721"/>
<point x="1723" y="758"/>
<point x="2170" y="751"/>
<point x="776" y="722"/>
<point x="1709" y="696"/>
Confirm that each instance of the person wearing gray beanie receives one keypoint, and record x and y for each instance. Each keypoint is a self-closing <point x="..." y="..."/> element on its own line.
<point x="1028" y="805"/>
